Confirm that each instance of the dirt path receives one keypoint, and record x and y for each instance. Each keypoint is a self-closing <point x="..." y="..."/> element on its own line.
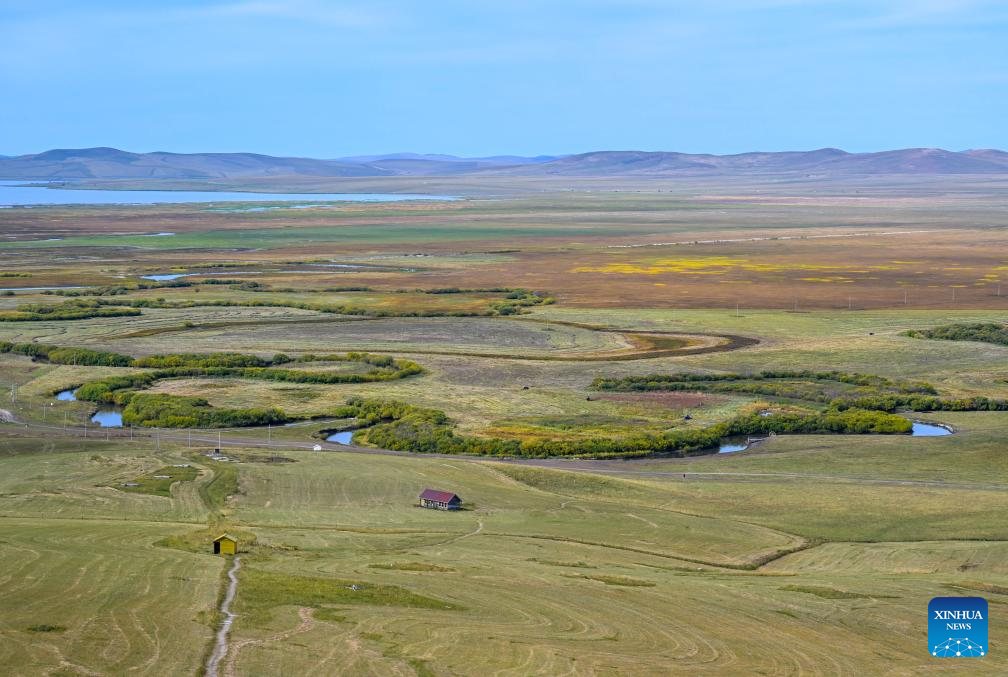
<point x="221" y="643"/>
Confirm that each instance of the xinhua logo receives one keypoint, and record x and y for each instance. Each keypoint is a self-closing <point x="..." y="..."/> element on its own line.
<point x="957" y="627"/>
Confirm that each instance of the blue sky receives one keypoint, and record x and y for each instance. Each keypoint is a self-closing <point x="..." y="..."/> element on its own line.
<point x="325" y="79"/>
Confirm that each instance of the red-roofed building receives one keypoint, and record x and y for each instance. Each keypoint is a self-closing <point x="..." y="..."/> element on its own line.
<point x="440" y="500"/>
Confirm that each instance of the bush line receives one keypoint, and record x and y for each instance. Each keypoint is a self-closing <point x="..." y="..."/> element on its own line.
<point x="404" y="427"/>
<point x="984" y="332"/>
<point x="875" y="393"/>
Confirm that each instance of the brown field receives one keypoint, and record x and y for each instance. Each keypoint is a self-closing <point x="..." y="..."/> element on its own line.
<point x="669" y="400"/>
<point x="913" y="248"/>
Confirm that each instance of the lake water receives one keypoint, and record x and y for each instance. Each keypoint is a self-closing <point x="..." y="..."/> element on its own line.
<point x="341" y="438"/>
<point x="66" y="396"/>
<point x="39" y="288"/>
<point x="14" y="193"/>
<point x="108" y="419"/>
<point x="929" y="430"/>
<point x="162" y="277"/>
<point x="733" y="444"/>
<point x="741" y="442"/>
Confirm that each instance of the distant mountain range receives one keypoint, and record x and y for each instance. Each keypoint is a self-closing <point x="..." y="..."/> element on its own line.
<point x="110" y="163"/>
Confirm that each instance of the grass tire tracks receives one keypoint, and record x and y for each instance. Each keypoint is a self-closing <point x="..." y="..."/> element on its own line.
<point x="755" y="564"/>
<point x="644" y="350"/>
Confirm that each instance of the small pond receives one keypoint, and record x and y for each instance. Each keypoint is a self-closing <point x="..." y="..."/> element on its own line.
<point x="108" y="419"/>
<point x="732" y="444"/>
<point x="341" y="438"/>
<point x="735" y="443"/>
<point x="929" y="430"/>
<point x="66" y="396"/>
<point x="162" y="277"/>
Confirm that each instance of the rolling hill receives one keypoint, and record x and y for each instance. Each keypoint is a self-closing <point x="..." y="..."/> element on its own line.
<point x="111" y="163"/>
<point x="827" y="161"/>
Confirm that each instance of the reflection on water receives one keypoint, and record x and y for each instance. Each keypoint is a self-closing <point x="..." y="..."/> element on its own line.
<point x="66" y="396"/>
<point x="161" y="277"/>
<point x="108" y="419"/>
<point x="731" y="444"/>
<point x="341" y="438"/>
<point x="929" y="430"/>
<point x="166" y="276"/>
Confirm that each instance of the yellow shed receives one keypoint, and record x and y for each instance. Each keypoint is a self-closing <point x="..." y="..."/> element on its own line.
<point x="225" y="545"/>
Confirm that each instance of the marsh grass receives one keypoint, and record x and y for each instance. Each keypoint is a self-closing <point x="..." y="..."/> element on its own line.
<point x="411" y="566"/>
<point x="260" y="591"/>
<point x="825" y="592"/>
<point x="625" y="581"/>
<point x="554" y="563"/>
<point x="160" y="481"/>
<point x="223" y="484"/>
<point x="977" y="586"/>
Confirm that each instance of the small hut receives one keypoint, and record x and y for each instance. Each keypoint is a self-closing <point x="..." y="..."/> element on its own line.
<point x="225" y="545"/>
<point x="440" y="500"/>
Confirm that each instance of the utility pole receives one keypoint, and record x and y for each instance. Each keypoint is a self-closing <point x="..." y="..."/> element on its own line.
<point x="65" y="420"/>
<point x="218" y="439"/>
<point x="850" y="303"/>
<point x="953" y="294"/>
<point x="736" y="309"/>
<point x="190" y="439"/>
<point x="904" y="297"/>
<point x="269" y="433"/>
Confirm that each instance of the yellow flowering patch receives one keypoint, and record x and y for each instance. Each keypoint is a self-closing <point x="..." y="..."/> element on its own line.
<point x="706" y="265"/>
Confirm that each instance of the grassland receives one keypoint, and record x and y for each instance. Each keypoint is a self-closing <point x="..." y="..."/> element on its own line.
<point x="550" y="570"/>
<point x="807" y="554"/>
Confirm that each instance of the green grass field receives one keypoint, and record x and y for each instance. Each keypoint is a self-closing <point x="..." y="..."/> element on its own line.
<point x="547" y="571"/>
<point x="803" y="555"/>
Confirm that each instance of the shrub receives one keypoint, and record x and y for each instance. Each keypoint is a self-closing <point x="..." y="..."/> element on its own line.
<point x="985" y="332"/>
<point x="404" y="427"/>
<point x="173" y="411"/>
<point x="68" y="310"/>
